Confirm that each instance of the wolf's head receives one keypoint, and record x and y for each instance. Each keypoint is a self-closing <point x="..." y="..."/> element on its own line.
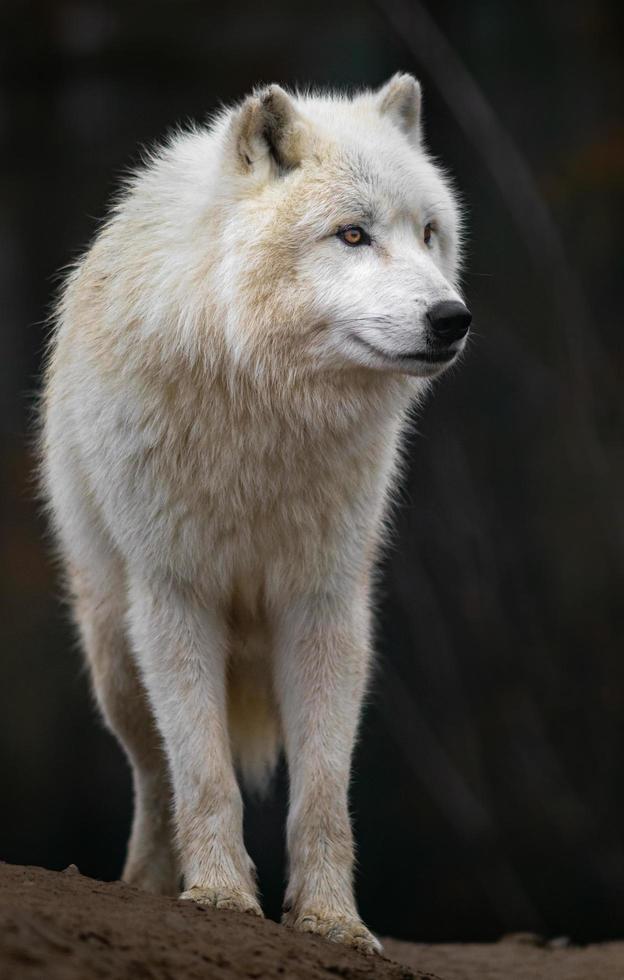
<point x="340" y="234"/>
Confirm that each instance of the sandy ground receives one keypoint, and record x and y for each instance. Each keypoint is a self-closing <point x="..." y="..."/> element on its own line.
<point x="63" y="926"/>
<point x="514" y="958"/>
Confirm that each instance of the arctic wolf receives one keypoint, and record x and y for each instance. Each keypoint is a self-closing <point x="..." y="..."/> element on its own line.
<point x="234" y="361"/>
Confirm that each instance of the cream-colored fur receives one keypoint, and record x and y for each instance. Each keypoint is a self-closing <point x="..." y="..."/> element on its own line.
<point x="225" y="395"/>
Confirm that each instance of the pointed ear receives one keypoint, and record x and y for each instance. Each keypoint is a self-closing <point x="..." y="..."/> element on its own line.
<point x="267" y="129"/>
<point x="400" y="100"/>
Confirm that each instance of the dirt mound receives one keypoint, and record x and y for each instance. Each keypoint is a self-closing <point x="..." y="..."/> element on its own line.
<point x="62" y="926"/>
<point x="521" y="957"/>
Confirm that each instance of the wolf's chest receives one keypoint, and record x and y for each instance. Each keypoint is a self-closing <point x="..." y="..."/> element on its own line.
<point x="288" y="501"/>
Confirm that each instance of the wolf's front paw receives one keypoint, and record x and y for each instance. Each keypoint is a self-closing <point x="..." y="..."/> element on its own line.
<point x="154" y="880"/>
<point x="223" y="898"/>
<point x="156" y="873"/>
<point x="343" y="929"/>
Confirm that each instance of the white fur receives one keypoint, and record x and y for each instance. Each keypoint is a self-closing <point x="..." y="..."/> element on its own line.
<point x="224" y="402"/>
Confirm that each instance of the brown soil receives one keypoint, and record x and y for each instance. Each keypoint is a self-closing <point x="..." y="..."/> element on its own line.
<point x="521" y="957"/>
<point x="63" y="926"/>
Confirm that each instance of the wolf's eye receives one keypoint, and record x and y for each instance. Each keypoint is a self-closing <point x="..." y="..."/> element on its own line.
<point x="427" y="233"/>
<point x="353" y="235"/>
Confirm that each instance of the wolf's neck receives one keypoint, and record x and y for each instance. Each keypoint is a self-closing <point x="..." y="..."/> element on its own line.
<point x="325" y="401"/>
<point x="296" y="405"/>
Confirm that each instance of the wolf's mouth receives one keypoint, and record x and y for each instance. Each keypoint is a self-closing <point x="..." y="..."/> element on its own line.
<point x="430" y="357"/>
<point x="424" y="356"/>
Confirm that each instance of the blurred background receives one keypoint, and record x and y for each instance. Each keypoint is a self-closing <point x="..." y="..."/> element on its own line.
<point x="488" y="792"/>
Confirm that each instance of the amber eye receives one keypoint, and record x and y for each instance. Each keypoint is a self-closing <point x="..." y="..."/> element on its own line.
<point x="354" y="235"/>
<point x="427" y="233"/>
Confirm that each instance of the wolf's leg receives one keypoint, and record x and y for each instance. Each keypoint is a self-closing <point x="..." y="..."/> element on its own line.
<point x="100" y="607"/>
<point x="322" y="663"/>
<point x="181" y="647"/>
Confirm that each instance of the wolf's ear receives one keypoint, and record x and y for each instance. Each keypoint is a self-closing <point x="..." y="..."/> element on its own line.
<point x="267" y="129"/>
<point x="400" y="100"/>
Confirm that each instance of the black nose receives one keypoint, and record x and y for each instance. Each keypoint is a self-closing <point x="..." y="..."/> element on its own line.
<point x="449" y="320"/>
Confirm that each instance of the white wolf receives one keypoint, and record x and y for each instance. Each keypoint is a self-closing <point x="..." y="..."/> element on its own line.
<point x="234" y="360"/>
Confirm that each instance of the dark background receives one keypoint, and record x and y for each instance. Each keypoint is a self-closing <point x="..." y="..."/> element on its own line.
<point x="488" y="792"/>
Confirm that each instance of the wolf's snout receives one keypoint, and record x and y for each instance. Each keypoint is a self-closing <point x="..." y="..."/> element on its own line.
<point x="449" y="320"/>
